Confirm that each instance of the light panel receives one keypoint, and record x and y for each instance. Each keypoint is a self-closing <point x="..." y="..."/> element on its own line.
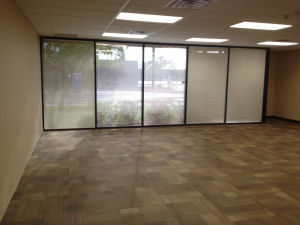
<point x="120" y="35"/>
<point x="148" y="17"/>
<point x="277" y="43"/>
<point x="260" y="26"/>
<point x="207" y="40"/>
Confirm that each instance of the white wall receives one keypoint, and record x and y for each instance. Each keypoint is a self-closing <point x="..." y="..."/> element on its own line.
<point x="20" y="97"/>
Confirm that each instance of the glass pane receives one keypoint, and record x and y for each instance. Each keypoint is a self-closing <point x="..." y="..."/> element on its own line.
<point x="206" y="85"/>
<point x="245" y="85"/>
<point x="119" y="84"/>
<point x="164" y="85"/>
<point x="68" y="75"/>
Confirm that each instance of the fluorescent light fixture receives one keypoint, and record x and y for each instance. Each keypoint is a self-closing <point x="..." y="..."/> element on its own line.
<point x="208" y="40"/>
<point x="212" y="52"/>
<point x="200" y="52"/>
<point x="260" y="26"/>
<point x="277" y="43"/>
<point x="119" y="35"/>
<point x="148" y="17"/>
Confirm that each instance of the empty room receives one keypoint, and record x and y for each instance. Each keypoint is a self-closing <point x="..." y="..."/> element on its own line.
<point x="161" y="112"/>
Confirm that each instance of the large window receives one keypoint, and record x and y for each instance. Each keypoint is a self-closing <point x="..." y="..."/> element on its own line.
<point x="245" y="85"/>
<point x="68" y="84"/>
<point x="164" y="85"/>
<point x="119" y="84"/>
<point x="90" y="84"/>
<point x="206" y="85"/>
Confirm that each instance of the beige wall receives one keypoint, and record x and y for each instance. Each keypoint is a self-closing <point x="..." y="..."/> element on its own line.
<point x="20" y="97"/>
<point x="284" y="85"/>
<point x="271" y="85"/>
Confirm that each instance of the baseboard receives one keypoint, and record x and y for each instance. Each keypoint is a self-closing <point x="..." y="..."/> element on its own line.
<point x="282" y="118"/>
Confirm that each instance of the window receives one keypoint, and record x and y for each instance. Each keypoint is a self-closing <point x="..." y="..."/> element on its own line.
<point x="68" y="83"/>
<point x="206" y="84"/>
<point x="119" y="84"/>
<point x="145" y="84"/>
<point x="164" y="85"/>
<point x="245" y="85"/>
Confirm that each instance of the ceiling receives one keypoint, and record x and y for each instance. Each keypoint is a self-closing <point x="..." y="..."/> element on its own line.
<point x="90" y="18"/>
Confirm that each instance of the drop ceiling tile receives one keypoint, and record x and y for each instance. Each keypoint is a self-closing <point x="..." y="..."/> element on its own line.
<point x="120" y="23"/>
<point x="152" y="3"/>
<point x="38" y="16"/>
<point x="89" y="18"/>
<point x="244" y="9"/>
<point x="80" y="13"/>
<point x="155" y="7"/>
<point x="69" y="26"/>
<point x="157" y="10"/>
<point x="32" y="9"/>
<point x="292" y="4"/>
<point x="77" y="19"/>
<point x="43" y="29"/>
<point x="29" y="2"/>
<point x="79" y="30"/>
<point x="86" y="5"/>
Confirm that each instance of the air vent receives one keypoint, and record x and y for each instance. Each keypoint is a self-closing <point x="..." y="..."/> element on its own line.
<point x="138" y="32"/>
<point x="189" y="4"/>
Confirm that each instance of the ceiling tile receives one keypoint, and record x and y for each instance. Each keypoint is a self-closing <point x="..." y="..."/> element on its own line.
<point x="89" y="18"/>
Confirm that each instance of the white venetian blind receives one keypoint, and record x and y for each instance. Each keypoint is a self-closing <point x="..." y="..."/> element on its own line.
<point x="206" y="91"/>
<point x="245" y="85"/>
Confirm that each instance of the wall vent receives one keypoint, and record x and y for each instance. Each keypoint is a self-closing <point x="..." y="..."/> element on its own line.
<point x="189" y="4"/>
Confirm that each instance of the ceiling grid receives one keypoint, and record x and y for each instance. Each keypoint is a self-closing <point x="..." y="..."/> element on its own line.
<point x="90" y="18"/>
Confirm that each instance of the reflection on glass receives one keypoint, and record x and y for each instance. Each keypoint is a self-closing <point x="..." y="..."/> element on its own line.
<point x="68" y="81"/>
<point x="119" y="84"/>
<point x="164" y="85"/>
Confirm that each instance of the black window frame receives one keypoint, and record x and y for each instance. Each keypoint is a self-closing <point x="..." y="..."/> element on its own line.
<point x="265" y="90"/>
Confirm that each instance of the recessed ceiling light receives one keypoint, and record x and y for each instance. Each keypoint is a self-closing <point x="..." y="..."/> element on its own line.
<point x="277" y="43"/>
<point x="208" y="40"/>
<point x="148" y="17"/>
<point x="260" y="26"/>
<point x="119" y="35"/>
